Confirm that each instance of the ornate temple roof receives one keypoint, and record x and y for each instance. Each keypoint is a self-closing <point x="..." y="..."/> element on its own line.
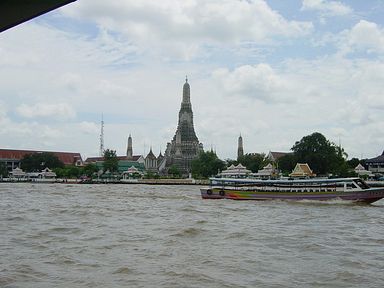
<point x="378" y="159"/>
<point x="150" y="155"/>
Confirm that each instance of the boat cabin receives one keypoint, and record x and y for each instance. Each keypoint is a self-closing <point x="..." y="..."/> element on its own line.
<point x="304" y="185"/>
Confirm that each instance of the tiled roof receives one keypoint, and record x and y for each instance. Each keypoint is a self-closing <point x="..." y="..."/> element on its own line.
<point x="378" y="159"/>
<point x="150" y="155"/>
<point x="302" y="169"/>
<point x="96" y="159"/>
<point x="277" y="155"/>
<point x="68" y="158"/>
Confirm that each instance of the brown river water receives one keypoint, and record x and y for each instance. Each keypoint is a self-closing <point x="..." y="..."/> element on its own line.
<point x="57" y="235"/>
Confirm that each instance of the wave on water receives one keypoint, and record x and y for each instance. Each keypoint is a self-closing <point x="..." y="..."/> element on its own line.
<point x="330" y="202"/>
<point x="22" y="272"/>
<point x="188" y="232"/>
<point x="123" y="270"/>
<point x="157" y="236"/>
<point x="15" y="218"/>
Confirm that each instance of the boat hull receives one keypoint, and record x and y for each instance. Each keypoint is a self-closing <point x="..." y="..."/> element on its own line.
<point x="365" y="196"/>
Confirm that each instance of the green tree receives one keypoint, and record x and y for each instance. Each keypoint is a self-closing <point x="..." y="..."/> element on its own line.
<point x="352" y="163"/>
<point x="206" y="164"/>
<point x="90" y="169"/>
<point x="3" y="170"/>
<point x="73" y="171"/>
<point x="38" y="161"/>
<point x="174" y="171"/>
<point x="60" y="172"/>
<point x="110" y="161"/>
<point x="230" y="162"/>
<point x="253" y="161"/>
<point x="151" y="175"/>
<point x="321" y="155"/>
<point x="286" y="163"/>
<point x="68" y="172"/>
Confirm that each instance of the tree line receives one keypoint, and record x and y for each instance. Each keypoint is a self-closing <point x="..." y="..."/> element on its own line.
<point x="323" y="156"/>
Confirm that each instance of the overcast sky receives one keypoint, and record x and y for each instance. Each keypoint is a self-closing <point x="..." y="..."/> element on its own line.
<point x="274" y="71"/>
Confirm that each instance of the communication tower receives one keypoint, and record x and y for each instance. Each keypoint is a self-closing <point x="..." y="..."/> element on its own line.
<point x="102" y="136"/>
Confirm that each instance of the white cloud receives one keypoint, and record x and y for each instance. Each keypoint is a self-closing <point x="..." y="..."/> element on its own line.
<point x="89" y="127"/>
<point x="327" y="7"/>
<point x="364" y="36"/>
<point x="55" y="111"/>
<point x="129" y="67"/>
<point x="183" y="27"/>
<point x="258" y="82"/>
<point x="298" y="97"/>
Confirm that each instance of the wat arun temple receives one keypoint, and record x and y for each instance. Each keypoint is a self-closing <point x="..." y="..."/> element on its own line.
<point x="183" y="148"/>
<point x="185" y="145"/>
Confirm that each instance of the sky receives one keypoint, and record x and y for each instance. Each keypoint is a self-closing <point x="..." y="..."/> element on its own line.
<point x="273" y="71"/>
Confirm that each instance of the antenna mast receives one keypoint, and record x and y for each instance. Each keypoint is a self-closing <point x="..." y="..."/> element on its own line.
<point x="102" y="136"/>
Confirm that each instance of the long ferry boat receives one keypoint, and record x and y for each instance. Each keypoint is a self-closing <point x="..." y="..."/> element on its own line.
<point x="352" y="189"/>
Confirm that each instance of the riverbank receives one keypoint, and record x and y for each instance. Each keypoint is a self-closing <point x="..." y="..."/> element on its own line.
<point x="111" y="181"/>
<point x="134" y="181"/>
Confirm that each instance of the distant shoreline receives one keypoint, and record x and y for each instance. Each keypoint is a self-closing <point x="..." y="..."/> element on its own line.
<point x="133" y="181"/>
<point x="128" y="181"/>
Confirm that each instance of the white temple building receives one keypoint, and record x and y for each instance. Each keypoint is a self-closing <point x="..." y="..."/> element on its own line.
<point x="361" y="171"/>
<point x="267" y="172"/>
<point x="233" y="171"/>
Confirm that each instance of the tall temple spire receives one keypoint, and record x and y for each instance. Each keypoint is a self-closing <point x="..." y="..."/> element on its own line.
<point x="186" y="92"/>
<point x="185" y="145"/>
<point x="240" y="149"/>
<point x="185" y="125"/>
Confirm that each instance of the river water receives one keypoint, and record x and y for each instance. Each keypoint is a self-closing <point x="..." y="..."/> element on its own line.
<point x="58" y="235"/>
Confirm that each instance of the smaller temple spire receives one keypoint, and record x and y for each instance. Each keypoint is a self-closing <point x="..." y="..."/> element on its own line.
<point x="129" y="147"/>
<point x="240" y="149"/>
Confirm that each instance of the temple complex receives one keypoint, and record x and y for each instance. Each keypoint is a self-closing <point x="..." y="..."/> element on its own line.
<point x="185" y="145"/>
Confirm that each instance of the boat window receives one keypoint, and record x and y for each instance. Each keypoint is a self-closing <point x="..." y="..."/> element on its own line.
<point x="350" y="186"/>
<point x="361" y="184"/>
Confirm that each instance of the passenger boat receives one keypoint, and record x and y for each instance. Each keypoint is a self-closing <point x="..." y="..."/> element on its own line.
<point x="352" y="189"/>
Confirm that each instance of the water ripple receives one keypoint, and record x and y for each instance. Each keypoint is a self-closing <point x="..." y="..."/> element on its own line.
<point x="167" y="236"/>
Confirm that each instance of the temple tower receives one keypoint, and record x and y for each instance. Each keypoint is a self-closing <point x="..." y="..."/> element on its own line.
<point x="129" y="148"/>
<point x="240" y="150"/>
<point x="185" y="145"/>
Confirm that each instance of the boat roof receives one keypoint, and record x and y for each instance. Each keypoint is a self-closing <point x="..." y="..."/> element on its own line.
<point x="283" y="181"/>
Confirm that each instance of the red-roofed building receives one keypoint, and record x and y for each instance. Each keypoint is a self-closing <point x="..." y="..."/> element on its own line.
<point x="12" y="157"/>
<point x="135" y="158"/>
